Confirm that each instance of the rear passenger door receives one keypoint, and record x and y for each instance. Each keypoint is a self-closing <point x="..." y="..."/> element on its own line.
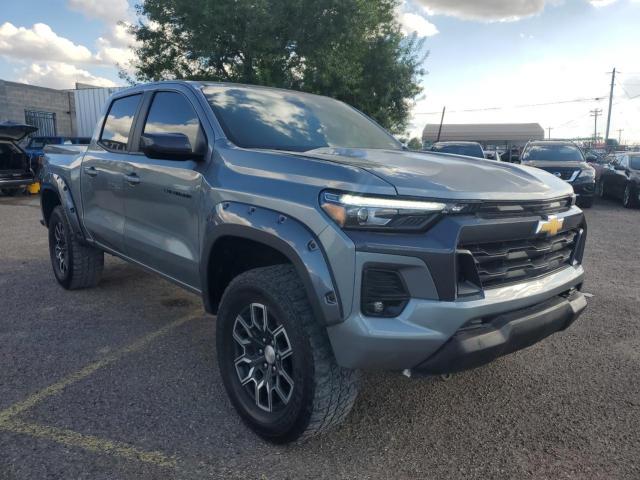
<point x="163" y="195"/>
<point x="102" y="174"/>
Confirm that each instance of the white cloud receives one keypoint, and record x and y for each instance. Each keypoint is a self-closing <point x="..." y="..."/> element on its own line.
<point x="40" y="43"/>
<point x="109" y="11"/>
<point x="411" y="22"/>
<point x="601" y="3"/>
<point x="114" y="47"/>
<point x="484" y="10"/>
<point x="60" y="75"/>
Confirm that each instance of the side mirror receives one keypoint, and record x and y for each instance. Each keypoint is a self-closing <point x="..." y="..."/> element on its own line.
<point x="168" y="146"/>
<point x="591" y="158"/>
<point x="618" y="167"/>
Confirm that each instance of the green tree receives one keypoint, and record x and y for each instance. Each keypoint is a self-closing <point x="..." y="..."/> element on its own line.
<point x="415" y="144"/>
<point x="351" y="50"/>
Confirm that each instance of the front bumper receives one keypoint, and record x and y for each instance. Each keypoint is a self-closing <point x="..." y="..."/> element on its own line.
<point x="584" y="189"/>
<point x="480" y="344"/>
<point x="426" y="326"/>
<point x="12" y="182"/>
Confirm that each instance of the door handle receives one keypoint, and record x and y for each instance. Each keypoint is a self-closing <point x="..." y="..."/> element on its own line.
<point x="133" y="179"/>
<point x="91" y="171"/>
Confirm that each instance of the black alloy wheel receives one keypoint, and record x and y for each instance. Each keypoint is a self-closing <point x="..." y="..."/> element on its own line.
<point x="263" y="358"/>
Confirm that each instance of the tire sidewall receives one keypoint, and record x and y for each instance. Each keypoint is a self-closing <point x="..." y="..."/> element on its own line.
<point x="58" y="217"/>
<point x="294" y="418"/>
<point x="627" y="197"/>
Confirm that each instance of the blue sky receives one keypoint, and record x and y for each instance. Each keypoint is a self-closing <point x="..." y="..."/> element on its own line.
<point x="494" y="53"/>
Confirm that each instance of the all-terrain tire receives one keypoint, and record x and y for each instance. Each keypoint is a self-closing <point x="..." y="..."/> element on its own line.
<point x="81" y="265"/>
<point x="323" y="392"/>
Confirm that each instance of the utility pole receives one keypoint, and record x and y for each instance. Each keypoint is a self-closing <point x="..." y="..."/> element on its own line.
<point x="606" y="135"/>
<point x="441" y="120"/>
<point x="595" y="113"/>
<point x="620" y="130"/>
<point x="549" y="128"/>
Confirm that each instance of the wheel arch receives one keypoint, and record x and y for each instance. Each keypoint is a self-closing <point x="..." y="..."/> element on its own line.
<point x="273" y="238"/>
<point x="55" y="191"/>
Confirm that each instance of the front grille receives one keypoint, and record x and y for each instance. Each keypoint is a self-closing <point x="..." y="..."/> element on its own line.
<point x="499" y="263"/>
<point x="521" y="209"/>
<point x="563" y="173"/>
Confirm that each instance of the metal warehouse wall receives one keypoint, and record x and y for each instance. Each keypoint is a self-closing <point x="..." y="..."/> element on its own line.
<point x="89" y="103"/>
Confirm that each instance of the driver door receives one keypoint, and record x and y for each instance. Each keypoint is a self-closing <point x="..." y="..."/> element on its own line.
<point x="163" y="196"/>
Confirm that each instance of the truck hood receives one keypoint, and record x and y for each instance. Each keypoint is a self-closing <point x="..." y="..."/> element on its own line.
<point x="434" y="175"/>
<point x="15" y="132"/>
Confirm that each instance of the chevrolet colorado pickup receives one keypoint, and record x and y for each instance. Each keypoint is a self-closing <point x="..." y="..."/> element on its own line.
<point x="321" y="244"/>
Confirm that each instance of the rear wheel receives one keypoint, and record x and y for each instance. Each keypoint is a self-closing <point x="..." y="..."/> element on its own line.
<point x="275" y="358"/>
<point x="600" y="189"/>
<point x="74" y="265"/>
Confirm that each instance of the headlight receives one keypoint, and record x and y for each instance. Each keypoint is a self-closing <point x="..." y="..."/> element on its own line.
<point x="587" y="174"/>
<point x="353" y="211"/>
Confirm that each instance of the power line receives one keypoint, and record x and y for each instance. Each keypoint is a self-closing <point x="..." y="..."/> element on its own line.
<point x="484" y="109"/>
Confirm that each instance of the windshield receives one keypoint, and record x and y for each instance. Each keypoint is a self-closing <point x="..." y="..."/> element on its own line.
<point x="634" y="162"/>
<point x="468" y="150"/>
<point x="286" y="120"/>
<point x="560" y="153"/>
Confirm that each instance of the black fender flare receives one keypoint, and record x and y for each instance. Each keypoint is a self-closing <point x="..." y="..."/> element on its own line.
<point x="285" y="234"/>
<point x="57" y="184"/>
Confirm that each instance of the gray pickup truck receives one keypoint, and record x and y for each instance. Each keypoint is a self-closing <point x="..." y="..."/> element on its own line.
<point x="321" y="244"/>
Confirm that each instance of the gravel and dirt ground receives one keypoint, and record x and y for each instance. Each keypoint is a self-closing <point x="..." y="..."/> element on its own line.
<point x="121" y="382"/>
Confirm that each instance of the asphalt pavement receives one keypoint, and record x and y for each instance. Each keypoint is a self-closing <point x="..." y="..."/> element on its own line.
<point x="121" y="382"/>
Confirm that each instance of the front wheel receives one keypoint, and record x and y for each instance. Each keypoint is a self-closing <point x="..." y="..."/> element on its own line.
<point x="629" y="197"/>
<point x="600" y="189"/>
<point x="586" y="202"/>
<point x="75" y="265"/>
<point x="275" y="358"/>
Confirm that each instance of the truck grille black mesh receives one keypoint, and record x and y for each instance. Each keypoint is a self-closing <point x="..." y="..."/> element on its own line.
<point x="520" y="209"/>
<point x="510" y="261"/>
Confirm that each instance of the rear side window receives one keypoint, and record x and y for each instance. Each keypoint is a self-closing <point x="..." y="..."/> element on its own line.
<point x="171" y="112"/>
<point x="117" y="126"/>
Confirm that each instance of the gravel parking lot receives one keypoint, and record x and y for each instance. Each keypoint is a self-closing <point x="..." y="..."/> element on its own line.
<point x="121" y="382"/>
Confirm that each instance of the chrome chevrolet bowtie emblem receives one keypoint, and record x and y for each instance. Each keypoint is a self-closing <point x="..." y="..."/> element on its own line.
<point x="550" y="226"/>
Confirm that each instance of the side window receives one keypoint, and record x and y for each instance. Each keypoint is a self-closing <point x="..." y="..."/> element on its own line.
<point x="171" y="112"/>
<point x="117" y="126"/>
<point x="624" y="161"/>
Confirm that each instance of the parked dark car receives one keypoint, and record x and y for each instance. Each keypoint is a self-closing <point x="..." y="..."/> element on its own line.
<point x="36" y="145"/>
<point x="621" y="179"/>
<point x="566" y="161"/>
<point x="468" y="149"/>
<point x="15" y="168"/>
